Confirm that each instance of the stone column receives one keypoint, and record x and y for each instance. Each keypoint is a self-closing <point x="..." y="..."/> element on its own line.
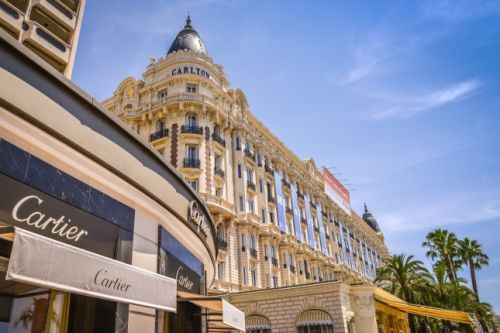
<point x="364" y="309"/>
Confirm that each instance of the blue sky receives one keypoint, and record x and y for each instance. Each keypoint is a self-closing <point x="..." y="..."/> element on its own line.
<point x="401" y="97"/>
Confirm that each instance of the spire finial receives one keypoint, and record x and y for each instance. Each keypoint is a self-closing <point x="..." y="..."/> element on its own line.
<point x="188" y="20"/>
<point x="366" y="208"/>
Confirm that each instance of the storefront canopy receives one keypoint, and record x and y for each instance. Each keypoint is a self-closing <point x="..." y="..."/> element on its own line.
<point x="49" y="263"/>
<point x="223" y="315"/>
<point x="384" y="297"/>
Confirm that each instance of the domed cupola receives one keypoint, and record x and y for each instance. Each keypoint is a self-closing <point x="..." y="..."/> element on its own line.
<point x="370" y="220"/>
<point x="188" y="39"/>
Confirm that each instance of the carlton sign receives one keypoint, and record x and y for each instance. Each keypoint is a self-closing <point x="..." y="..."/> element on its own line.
<point x="190" y="70"/>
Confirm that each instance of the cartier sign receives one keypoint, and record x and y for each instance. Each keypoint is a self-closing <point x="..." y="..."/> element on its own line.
<point x="25" y="207"/>
<point x="198" y="218"/>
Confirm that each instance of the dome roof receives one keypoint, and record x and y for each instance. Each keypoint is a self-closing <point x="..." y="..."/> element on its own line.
<point x="188" y="39"/>
<point x="370" y="220"/>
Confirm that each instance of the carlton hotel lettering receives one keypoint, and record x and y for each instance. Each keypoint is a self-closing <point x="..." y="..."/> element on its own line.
<point x="191" y="70"/>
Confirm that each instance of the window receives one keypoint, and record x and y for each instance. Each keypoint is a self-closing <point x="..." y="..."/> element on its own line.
<point x="266" y="251"/>
<point x="191" y="88"/>
<point x="221" y="234"/>
<point x="273" y="252"/>
<point x="238" y="143"/>
<point x="218" y="161"/>
<point x="221" y="269"/>
<point x="217" y="130"/>
<point x="194" y="184"/>
<point x="263" y="215"/>
<point x="162" y="93"/>
<point x="252" y="242"/>
<point x="250" y="175"/>
<point x="268" y="280"/>
<point x="243" y="242"/>
<point x="219" y="192"/>
<point x="244" y="276"/>
<point x="275" y="282"/>
<point x="271" y="218"/>
<point x="239" y="171"/>
<point x="322" y="322"/>
<point x="253" y="275"/>
<point x="160" y="125"/>
<point x="251" y="205"/>
<point x="191" y="152"/>
<point x="261" y="186"/>
<point x="191" y="120"/>
<point x="242" y="205"/>
<point x="259" y="160"/>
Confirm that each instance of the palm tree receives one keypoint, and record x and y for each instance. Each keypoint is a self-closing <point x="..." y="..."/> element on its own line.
<point x="472" y="254"/>
<point x="406" y="278"/>
<point x="442" y="245"/>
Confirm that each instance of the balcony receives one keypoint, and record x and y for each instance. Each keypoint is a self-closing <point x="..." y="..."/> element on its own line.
<point x="11" y="19"/>
<point x="158" y="134"/>
<point x="21" y="5"/>
<point x="57" y="11"/>
<point x="274" y="261"/>
<point x="46" y="45"/>
<point x="253" y="253"/>
<point x="268" y="169"/>
<point x="249" y="154"/>
<point x="191" y="129"/>
<point x="292" y="269"/>
<point x="191" y="163"/>
<point x="308" y="275"/>
<point x="221" y="244"/>
<point x="271" y="199"/>
<point x="219" y="172"/>
<point x="251" y="185"/>
<point x="217" y="138"/>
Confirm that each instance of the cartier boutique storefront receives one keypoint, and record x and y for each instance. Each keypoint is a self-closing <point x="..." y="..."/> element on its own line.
<point x="97" y="232"/>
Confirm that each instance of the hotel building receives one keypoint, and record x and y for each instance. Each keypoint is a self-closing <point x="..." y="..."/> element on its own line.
<point x="49" y="28"/>
<point x="97" y="232"/>
<point x="280" y="221"/>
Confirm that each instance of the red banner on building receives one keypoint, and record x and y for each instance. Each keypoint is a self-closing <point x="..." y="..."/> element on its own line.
<point x="336" y="191"/>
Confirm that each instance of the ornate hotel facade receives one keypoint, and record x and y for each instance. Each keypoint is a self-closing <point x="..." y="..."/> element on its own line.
<point x="278" y="223"/>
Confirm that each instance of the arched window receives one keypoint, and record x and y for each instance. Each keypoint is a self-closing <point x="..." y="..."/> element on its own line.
<point x="221" y="234"/>
<point x="257" y="324"/>
<point x="314" y="321"/>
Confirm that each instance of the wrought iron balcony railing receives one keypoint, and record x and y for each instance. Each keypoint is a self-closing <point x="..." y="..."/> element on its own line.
<point x="219" y="172"/>
<point x="222" y="244"/>
<point x="253" y="253"/>
<point x="191" y="129"/>
<point x="193" y="163"/>
<point x="217" y="138"/>
<point x="158" y="134"/>
<point x="251" y="185"/>
<point x="274" y="261"/>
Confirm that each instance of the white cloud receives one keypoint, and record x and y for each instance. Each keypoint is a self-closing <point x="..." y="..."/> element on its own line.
<point x="459" y="10"/>
<point x="458" y="209"/>
<point x="409" y="106"/>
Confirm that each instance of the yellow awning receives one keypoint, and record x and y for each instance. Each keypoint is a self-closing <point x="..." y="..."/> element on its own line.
<point x="384" y="297"/>
<point x="257" y="322"/>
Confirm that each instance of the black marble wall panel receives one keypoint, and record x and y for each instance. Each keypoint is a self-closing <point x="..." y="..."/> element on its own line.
<point x="18" y="164"/>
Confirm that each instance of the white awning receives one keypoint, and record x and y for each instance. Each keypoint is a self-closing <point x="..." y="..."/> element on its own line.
<point x="46" y="262"/>
<point x="224" y="315"/>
